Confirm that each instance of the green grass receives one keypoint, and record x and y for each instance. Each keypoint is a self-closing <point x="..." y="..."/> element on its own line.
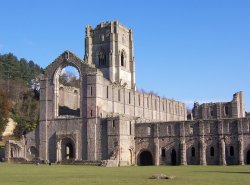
<point x="19" y="174"/>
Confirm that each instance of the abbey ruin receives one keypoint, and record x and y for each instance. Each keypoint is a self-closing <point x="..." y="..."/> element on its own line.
<point x="104" y="118"/>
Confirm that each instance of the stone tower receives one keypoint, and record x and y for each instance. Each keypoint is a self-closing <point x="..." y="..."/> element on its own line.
<point x="110" y="47"/>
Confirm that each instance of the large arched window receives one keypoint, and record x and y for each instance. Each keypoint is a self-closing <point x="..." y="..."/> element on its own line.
<point x="69" y="88"/>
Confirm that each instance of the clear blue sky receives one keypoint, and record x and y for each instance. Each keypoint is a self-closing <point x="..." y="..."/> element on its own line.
<point x="189" y="50"/>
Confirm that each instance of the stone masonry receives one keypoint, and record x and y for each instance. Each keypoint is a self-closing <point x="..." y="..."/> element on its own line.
<point x="110" y="121"/>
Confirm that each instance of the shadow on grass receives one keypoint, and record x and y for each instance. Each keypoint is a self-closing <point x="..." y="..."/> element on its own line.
<point x="221" y="172"/>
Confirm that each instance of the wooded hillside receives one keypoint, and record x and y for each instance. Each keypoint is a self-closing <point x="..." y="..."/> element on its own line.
<point x="19" y="93"/>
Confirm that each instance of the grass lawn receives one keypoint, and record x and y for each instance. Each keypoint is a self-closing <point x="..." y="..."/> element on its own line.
<point x="20" y="174"/>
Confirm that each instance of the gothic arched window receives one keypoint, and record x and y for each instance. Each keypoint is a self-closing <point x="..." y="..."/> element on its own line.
<point x="102" y="58"/>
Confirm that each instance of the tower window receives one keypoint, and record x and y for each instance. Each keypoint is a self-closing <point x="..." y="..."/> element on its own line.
<point x="226" y="110"/>
<point x="122" y="59"/>
<point x="212" y="113"/>
<point x="102" y="59"/>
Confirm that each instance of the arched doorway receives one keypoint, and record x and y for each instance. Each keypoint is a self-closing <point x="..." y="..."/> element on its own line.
<point x="145" y="158"/>
<point x="248" y="157"/>
<point x="173" y="157"/>
<point x="67" y="149"/>
<point x="33" y="152"/>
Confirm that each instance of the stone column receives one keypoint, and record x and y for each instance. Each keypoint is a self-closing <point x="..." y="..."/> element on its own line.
<point x="7" y="151"/>
<point x="222" y="153"/>
<point x="157" y="151"/>
<point x="241" y="155"/>
<point x="183" y="152"/>
<point x="58" y="151"/>
<point x="203" y="160"/>
<point x="157" y="147"/>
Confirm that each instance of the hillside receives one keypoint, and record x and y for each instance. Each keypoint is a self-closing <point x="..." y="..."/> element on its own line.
<point x="19" y="93"/>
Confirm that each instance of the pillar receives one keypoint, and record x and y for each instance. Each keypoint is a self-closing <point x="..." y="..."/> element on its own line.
<point x="203" y="160"/>
<point x="157" y="147"/>
<point x="7" y="151"/>
<point x="241" y="155"/>
<point x="58" y="151"/>
<point x="183" y="153"/>
<point x="157" y="153"/>
<point x="222" y="153"/>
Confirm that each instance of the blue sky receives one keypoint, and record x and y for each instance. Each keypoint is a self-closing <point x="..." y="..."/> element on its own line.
<point x="189" y="50"/>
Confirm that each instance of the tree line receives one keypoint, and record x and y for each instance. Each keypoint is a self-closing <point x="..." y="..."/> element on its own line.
<point x="19" y="93"/>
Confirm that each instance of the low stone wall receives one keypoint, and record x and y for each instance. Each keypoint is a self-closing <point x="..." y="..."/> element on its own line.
<point x="82" y="162"/>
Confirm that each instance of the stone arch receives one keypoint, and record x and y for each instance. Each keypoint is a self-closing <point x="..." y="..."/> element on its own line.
<point x="68" y="149"/>
<point x="163" y="152"/>
<point x="33" y="152"/>
<point x="145" y="158"/>
<point x="53" y="71"/>
<point x="60" y="92"/>
<point x="173" y="157"/>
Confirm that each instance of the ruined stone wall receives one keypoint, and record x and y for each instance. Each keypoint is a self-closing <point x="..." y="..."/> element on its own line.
<point x="233" y="109"/>
<point x="229" y="138"/>
<point x="69" y="97"/>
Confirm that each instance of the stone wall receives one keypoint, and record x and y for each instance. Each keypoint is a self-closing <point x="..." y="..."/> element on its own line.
<point x="117" y="99"/>
<point x="233" y="109"/>
<point x="69" y="97"/>
<point x="224" y="141"/>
